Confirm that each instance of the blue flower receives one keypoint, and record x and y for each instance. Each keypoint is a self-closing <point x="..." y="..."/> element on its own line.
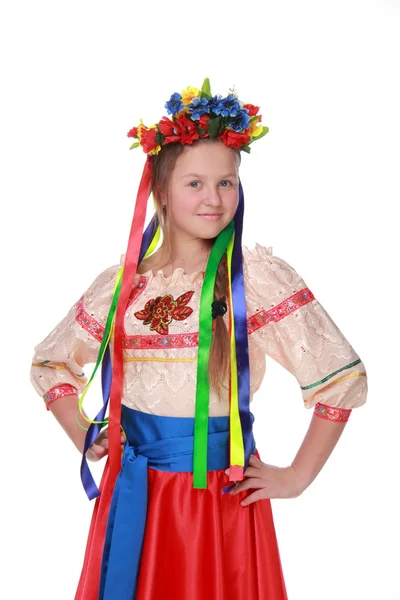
<point x="174" y="104"/>
<point x="198" y="107"/>
<point x="241" y="121"/>
<point x="226" y="107"/>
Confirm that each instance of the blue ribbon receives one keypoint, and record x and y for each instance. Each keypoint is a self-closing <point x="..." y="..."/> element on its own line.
<point x="241" y="336"/>
<point x="94" y="429"/>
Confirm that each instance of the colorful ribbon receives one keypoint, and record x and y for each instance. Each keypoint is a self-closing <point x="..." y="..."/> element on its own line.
<point x="205" y="339"/>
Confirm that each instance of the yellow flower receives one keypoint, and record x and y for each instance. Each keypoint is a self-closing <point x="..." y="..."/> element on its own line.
<point x="189" y="94"/>
<point x="156" y="150"/>
<point x="255" y="129"/>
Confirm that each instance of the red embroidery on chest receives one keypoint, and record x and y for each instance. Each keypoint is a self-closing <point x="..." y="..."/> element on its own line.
<point x="161" y="311"/>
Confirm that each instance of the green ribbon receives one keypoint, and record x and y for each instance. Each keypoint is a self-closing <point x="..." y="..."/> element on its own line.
<point x="104" y="342"/>
<point x="204" y="345"/>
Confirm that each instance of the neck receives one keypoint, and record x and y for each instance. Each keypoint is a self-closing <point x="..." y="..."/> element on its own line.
<point x="190" y="254"/>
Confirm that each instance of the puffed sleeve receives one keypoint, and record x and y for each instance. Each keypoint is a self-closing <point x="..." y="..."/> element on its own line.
<point x="58" y="361"/>
<point x="288" y="323"/>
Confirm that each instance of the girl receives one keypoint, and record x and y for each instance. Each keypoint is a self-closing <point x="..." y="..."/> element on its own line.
<point x="186" y="513"/>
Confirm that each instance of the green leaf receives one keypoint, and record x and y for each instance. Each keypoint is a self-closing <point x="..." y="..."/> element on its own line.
<point x="134" y="145"/>
<point x="206" y="89"/>
<point x="264" y="132"/>
<point x="214" y="126"/>
<point x="254" y="118"/>
<point x="159" y="137"/>
<point x="245" y="148"/>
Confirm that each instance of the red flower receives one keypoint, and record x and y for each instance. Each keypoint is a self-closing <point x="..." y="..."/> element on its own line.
<point x="188" y="130"/>
<point x="159" y="312"/>
<point x="132" y="132"/>
<point x="203" y="123"/>
<point x="233" y="139"/>
<point x="170" y="130"/>
<point x="253" y="110"/>
<point x="182" y="130"/>
<point x="148" y="139"/>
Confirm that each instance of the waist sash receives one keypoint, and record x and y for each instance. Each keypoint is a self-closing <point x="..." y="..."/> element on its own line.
<point x="162" y="443"/>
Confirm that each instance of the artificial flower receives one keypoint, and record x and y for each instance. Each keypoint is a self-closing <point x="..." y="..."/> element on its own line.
<point x="174" y="104"/>
<point x="233" y="139"/>
<point x="189" y="94"/>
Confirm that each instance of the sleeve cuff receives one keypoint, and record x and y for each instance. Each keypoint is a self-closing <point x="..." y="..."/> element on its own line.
<point x="59" y="391"/>
<point x="332" y="413"/>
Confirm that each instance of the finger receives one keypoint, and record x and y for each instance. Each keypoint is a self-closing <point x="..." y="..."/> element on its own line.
<point x="99" y="450"/>
<point x="253" y="472"/>
<point x="247" y="484"/>
<point x="258" y="495"/>
<point x="255" y="462"/>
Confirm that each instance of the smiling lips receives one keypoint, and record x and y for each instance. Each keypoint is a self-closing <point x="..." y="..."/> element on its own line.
<point x="210" y="216"/>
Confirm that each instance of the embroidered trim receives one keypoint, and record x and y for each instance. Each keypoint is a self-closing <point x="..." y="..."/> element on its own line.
<point x="158" y="359"/>
<point x="188" y="340"/>
<point x="143" y="342"/>
<point x="59" y="391"/>
<point x="331" y="413"/>
<point x="356" y="362"/>
<point x="90" y="324"/>
<point x="137" y="290"/>
<point x="288" y="306"/>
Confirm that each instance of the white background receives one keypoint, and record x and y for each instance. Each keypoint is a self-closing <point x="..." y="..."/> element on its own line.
<point x="321" y="188"/>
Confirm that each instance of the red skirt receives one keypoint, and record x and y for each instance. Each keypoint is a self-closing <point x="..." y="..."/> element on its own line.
<point x="199" y="543"/>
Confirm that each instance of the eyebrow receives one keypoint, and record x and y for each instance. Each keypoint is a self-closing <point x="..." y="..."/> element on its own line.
<point x="200" y="176"/>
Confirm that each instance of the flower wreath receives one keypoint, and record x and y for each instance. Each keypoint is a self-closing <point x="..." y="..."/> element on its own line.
<point x="196" y="114"/>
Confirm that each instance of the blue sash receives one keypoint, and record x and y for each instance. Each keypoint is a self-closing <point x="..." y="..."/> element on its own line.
<point x="162" y="443"/>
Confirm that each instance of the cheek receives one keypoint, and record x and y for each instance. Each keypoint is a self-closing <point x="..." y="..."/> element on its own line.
<point x="183" y="205"/>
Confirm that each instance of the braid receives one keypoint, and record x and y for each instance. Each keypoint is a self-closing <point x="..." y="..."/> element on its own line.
<point x="219" y="353"/>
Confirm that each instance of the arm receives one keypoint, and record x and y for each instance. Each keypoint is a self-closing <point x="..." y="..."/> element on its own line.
<point x="291" y="326"/>
<point x="67" y="414"/>
<point x="58" y="362"/>
<point x="317" y="446"/>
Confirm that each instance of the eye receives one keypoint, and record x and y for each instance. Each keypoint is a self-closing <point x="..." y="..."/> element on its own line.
<point x="194" y="185"/>
<point x="225" y="181"/>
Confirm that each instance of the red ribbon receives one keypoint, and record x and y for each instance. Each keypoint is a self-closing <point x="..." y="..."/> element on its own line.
<point x="130" y="268"/>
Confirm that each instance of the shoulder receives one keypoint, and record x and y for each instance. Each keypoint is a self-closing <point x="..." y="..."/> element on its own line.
<point x="103" y="284"/>
<point x="269" y="276"/>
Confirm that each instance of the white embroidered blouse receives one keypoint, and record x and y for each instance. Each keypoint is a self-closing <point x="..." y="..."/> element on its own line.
<point x="284" y="321"/>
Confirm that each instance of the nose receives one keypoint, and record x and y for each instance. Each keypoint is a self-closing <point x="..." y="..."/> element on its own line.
<point x="212" y="197"/>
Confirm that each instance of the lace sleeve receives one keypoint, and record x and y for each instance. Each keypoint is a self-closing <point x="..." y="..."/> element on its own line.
<point x="292" y="327"/>
<point x="58" y="361"/>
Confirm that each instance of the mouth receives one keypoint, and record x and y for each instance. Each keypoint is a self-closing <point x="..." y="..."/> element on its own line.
<point x="210" y="216"/>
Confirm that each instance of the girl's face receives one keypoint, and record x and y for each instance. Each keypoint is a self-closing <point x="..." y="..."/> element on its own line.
<point x="203" y="190"/>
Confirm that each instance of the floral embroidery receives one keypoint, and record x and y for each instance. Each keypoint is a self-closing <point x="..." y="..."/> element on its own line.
<point x="59" y="391"/>
<point x="263" y="317"/>
<point x="160" y="311"/>
<point x="332" y="413"/>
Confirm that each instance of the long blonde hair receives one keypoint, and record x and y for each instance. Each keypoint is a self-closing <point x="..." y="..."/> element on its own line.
<point x="162" y="167"/>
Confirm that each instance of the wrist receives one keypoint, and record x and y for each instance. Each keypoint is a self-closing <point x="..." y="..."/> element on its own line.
<point x="301" y="481"/>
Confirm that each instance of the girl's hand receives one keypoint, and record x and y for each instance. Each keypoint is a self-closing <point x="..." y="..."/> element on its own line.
<point x="270" y="482"/>
<point x="99" y="448"/>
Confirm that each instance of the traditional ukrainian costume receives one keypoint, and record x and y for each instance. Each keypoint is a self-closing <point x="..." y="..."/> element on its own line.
<point x="163" y="526"/>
